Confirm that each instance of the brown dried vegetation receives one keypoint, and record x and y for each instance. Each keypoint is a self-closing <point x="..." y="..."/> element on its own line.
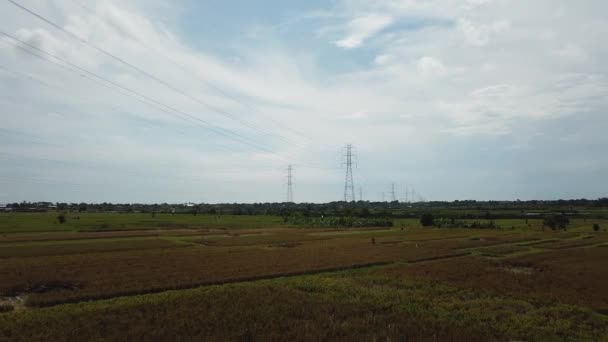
<point x="571" y="276"/>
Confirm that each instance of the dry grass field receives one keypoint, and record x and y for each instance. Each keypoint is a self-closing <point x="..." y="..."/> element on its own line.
<point x="282" y="283"/>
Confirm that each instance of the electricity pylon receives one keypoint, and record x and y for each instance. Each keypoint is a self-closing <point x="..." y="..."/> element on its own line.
<point x="289" y="183"/>
<point x="349" y="186"/>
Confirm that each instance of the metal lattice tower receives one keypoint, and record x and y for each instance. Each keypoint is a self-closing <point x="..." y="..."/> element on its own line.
<point x="393" y="198"/>
<point x="349" y="186"/>
<point x="289" y="183"/>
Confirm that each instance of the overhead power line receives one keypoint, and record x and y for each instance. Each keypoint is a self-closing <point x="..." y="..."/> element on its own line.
<point x="85" y="100"/>
<point x="163" y="107"/>
<point x="69" y="66"/>
<point x="63" y="90"/>
<point x="140" y="70"/>
<point x="12" y="158"/>
<point x="223" y="132"/>
<point x="209" y="84"/>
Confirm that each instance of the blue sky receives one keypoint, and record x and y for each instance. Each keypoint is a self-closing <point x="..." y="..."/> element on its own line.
<point x="209" y="101"/>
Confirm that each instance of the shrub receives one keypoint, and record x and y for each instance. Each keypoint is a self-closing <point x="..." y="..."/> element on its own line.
<point x="337" y="221"/>
<point x="556" y="222"/>
<point x="596" y="227"/>
<point x="6" y="307"/>
<point x="61" y="218"/>
<point x="427" y="220"/>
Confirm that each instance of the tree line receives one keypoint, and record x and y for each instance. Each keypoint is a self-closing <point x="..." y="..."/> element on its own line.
<point x="460" y="210"/>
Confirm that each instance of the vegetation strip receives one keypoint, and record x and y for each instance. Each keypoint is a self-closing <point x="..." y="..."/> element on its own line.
<point x="497" y="244"/>
<point x="440" y="257"/>
<point x="58" y="249"/>
<point x="439" y="239"/>
<point x="78" y="238"/>
<point x="537" y="242"/>
<point x="212" y="283"/>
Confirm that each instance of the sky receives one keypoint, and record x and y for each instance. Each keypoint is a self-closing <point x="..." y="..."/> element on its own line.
<point x="155" y="101"/>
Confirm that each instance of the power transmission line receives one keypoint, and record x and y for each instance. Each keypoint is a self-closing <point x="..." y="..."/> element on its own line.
<point x="85" y="100"/>
<point x="69" y="66"/>
<point x="349" y="187"/>
<point x="38" y="181"/>
<point x="81" y="98"/>
<point x="54" y="87"/>
<point x="218" y="130"/>
<point x="138" y="69"/>
<point x="207" y="83"/>
<point x="11" y="157"/>
<point x="140" y="97"/>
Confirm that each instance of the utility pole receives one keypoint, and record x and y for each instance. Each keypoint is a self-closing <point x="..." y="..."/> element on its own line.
<point x="289" y="184"/>
<point x="349" y="186"/>
<point x="393" y="198"/>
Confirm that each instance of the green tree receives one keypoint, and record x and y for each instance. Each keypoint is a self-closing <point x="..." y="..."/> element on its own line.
<point x="427" y="220"/>
<point x="556" y="222"/>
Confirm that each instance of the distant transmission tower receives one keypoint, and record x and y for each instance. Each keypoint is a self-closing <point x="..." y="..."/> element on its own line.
<point x="289" y="184"/>
<point x="360" y="193"/>
<point x="349" y="186"/>
<point x="393" y="198"/>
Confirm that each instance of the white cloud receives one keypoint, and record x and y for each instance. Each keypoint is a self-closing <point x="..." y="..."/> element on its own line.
<point x="383" y="59"/>
<point x="478" y="2"/>
<point x="491" y="69"/>
<point x="360" y="115"/>
<point x="43" y="39"/>
<point x="471" y="4"/>
<point x="479" y="35"/>
<point x="430" y="66"/>
<point x="362" y="28"/>
<point x="572" y="52"/>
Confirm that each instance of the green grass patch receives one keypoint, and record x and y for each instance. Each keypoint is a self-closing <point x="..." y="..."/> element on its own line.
<point x="47" y="222"/>
<point x="365" y="232"/>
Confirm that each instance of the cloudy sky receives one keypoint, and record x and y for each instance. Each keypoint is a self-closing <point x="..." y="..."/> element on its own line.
<point x="209" y="100"/>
